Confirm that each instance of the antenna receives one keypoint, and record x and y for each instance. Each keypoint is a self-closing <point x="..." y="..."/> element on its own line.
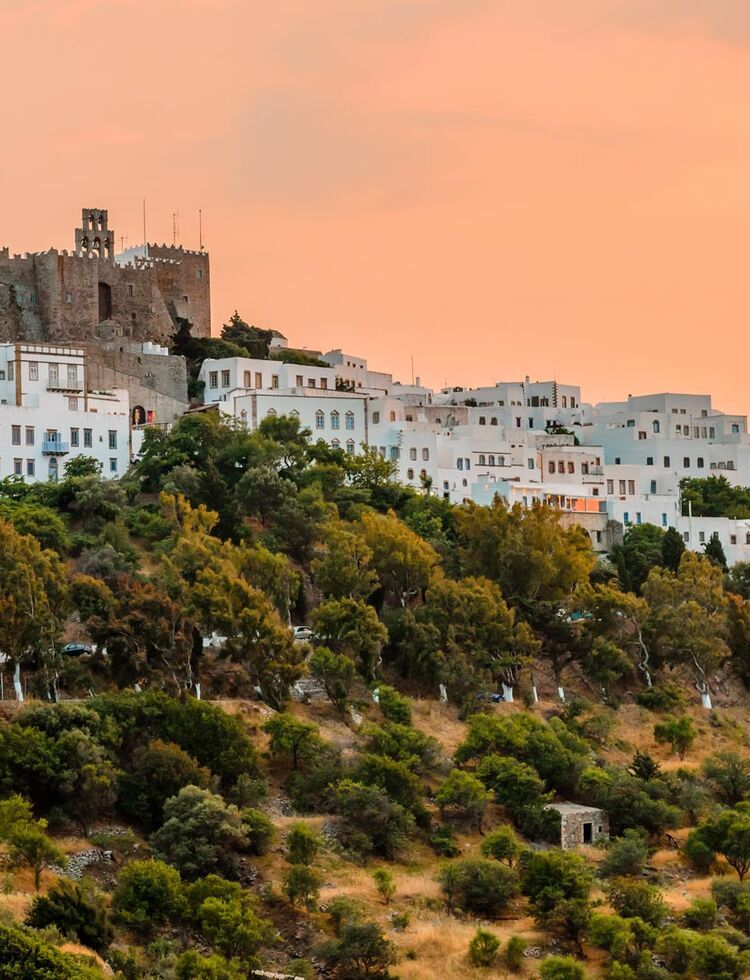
<point x="145" y="239"/>
<point x="412" y="369"/>
<point x="200" y="228"/>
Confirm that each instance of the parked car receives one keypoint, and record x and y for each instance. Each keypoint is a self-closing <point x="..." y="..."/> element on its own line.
<point x="76" y="649"/>
<point x="302" y="633"/>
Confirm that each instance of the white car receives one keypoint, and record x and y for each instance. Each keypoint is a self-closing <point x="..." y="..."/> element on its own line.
<point x="302" y="633"/>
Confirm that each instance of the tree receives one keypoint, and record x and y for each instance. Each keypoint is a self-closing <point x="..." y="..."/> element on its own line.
<point x="77" y="909"/>
<point x="714" y="551"/>
<point x="290" y="735"/>
<point x="148" y="893"/>
<point x="633" y="899"/>
<point x="640" y="551"/>
<point x="302" y="885"/>
<point x="394" y="706"/>
<point x="502" y="845"/>
<point x="561" y="968"/>
<point x="29" y="845"/>
<point x="483" y="948"/>
<point x="402" y="561"/>
<point x="234" y="928"/>
<point x="15" y="811"/>
<point x="728" y="834"/>
<point x="302" y="844"/>
<point x="728" y="774"/>
<point x="192" y="965"/>
<point x="689" y="618"/>
<point x="344" y="570"/>
<point x="159" y="771"/>
<point x="336" y="672"/>
<point x="360" y="951"/>
<point x="259" y="830"/>
<point x="373" y="823"/>
<point x="570" y="919"/>
<point x="550" y="877"/>
<point x="474" y="885"/>
<point x="514" y="784"/>
<point x="672" y="547"/>
<point x="625" y="856"/>
<point x="464" y="793"/>
<point x="351" y="627"/>
<point x="200" y="832"/>
<point x="385" y="884"/>
<point x="30" y="958"/>
<point x="679" y="733"/>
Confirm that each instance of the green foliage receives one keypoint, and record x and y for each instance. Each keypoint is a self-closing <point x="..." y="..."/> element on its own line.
<point x="700" y="914"/>
<point x="192" y="965"/>
<point x="715" y="496"/>
<point x="679" y="733"/>
<point x="733" y="897"/>
<point x="502" y="845"/>
<point x="234" y="928"/>
<point x="200" y="833"/>
<point x="77" y="909"/>
<point x="629" y="801"/>
<point x="625" y="856"/>
<point x="336" y="672"/>
<point x="561" y="968"/>
<point x="483" y="948"/>
<point x="403" y="744"/>
<point x="351" y="627"/>
<point x="385" y="884"/>
<point x="728" y="834"/>
<point x="443" y="842"/>
<point x="159" y="771"/>
<point x="662" y="697"/>
<point x="475" y="885"/>
<point x="634" y="899"/>
<point x="373" y="823"/>
<point x="728" y="775"/>
<point x="24" y="956"/>
<point x="361" y="950"/>
<point x="29" y="845"/>
<point x="394" y="707"/>
<point x="514" y="953"/>
<point x="464" y="794"/>
<point x="302" y="885"/>
<point x="259" y="830"/>
<point x="302" y="844"/>
<point x="640" y="551"/>
<point x="148" y="894"/>
<point x="291" y="737"/>
<point x="551" y="877"/>
<point x="342" y="909"/>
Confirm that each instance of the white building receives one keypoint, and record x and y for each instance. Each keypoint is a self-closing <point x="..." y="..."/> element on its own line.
<point x="48" y="415"/>
<point x="222" y="375"/>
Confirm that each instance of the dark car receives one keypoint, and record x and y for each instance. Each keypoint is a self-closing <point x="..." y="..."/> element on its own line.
<point x="76" y="649"/>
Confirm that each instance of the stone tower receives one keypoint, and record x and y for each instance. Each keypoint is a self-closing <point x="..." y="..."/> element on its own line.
<point x="95" y="237"/>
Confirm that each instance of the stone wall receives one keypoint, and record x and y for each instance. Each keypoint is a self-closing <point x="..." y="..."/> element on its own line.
<point x="571" y="827"/>
<point x="157" y="383"/>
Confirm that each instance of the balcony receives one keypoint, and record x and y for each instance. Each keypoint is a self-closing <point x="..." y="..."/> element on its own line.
<point x="54" y="447"/>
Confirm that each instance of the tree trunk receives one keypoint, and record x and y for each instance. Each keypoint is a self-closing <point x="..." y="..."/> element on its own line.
<point x="507" y="692"/>
<point x="17" y="682"/>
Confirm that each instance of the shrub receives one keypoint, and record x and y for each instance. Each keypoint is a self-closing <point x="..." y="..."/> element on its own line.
<point x="697" y="851"/>
<point x="30" y="958"/>
<point x="465" y="794"/>
<point x="234" y="928"/>
<point x="474" y="885"/>
<point x="679" y="733"/>
<point x="404" y="744"/>
<point x="728" y="775"/>
<point x="637" y="900"/>
<point x="259" y="830"/>
<point x="502" y="845"/>
<point x="302" y="844"/>
<point x="77" y="909"/>
<point x="393" y="706"/>
<point x="483" y="948"/>
<point x="192" y="965"/>
<point x="662" y="697"/>
<point x="148" y="894"/>
<point x="159" y="771"/>
<point x="373" y="824"/>
<point x="734" y="896"/>
<point x="385" y="884"/>
<point x="443" y="842"/>
<point x="360" y="950"/>
<point x="700" y="914"/>
<point x="514" y="953"/>
<point x="549" y="877"/>
<point x="561" y="968"/>
<point x="342" y="909"/>
<point x="625" y="856"/>
<point x="302" y="885"/>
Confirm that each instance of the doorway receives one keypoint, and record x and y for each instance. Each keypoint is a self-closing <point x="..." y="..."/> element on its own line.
<point x="105" y="302"/>
<point x="588" y="833"/>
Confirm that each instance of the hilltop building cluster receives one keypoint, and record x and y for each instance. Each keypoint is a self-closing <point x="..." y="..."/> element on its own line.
<point x="85" y="367"/>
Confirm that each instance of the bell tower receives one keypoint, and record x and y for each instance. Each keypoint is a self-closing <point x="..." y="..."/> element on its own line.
<point x="95" y="237"/>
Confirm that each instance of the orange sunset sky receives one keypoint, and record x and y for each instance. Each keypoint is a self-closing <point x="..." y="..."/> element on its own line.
<point x="498" y="187"/>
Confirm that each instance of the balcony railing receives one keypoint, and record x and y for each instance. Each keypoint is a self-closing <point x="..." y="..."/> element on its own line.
<point x="54" y="447"/>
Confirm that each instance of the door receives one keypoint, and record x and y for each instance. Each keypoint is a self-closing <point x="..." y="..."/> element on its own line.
<point x="588" y="834"/>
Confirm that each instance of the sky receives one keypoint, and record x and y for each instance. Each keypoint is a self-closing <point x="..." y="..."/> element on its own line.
<point x="558" y="188"/>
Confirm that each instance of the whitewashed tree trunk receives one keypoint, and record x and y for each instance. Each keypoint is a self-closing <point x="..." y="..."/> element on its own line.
<point x="507" y="692"/>
<point x="198" y="690"/>
<point x="443" y="694"/>
<point x="561" y="694"/>
<point x="706" y="700"/>
<point x="534" y="694"/>
<point x="17" y="682"/>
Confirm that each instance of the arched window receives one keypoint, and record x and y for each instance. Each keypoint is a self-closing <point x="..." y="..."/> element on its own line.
<point x="350" y="447"/>
<point x="482" y="459"/>
<point x="491" y="460"/>
<point x="493" y="420"/>
<point x="350" y="420"/>
<point x="410" y="474"/>
<point x="335" y="444"/>
<point x="53" y="469"/>
<point x="294" y="413"/>
<point x="270" y="413"/>
<point x="335" y="420"/>
<point x="320" y="419"/>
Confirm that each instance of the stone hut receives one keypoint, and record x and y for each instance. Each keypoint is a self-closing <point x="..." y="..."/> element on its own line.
<point x="580" y="824"/>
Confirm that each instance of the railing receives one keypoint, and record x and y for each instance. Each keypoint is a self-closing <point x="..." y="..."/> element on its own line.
<point x="54" y="447"/>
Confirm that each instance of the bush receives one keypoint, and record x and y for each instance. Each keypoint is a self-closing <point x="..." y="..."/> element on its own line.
<point x="342" y="909"/>
<point x="30" y="958"/>
<point x="159" y="771"/>
<point x="302" y="885"/>
<point x="679" y="733"/>
<point x="502" y="845"/>
<point x="464" y="794"/>
<point x="662" y="697"/>
<point x="514" y="953"/>
<point x="734" y="897"/>
<point x="361" y="950"/>
<point x="443" y="842"/>
<point x="483" y="948"/>
<point x="393" y="706"/>
<point x="259" y="830"/>
<point x="373" y="824"/>
<point x="637" y="900"/>
<point x="561" y="968"/>
<point x="549" y="877"/>
<point x="148" y="894"/>
<point x="474" y="885"/>
<point x="77" y="909"/>
<point x="697" y="851"/>
<point x="700" y="914"/>
<point x="625" y="856"/>
<point x="302" y="844"/>
<point x="385" y="884"/>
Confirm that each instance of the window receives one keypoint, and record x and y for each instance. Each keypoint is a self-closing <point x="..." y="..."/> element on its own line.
<point x="617" y="460"/>
<point x="349" y="420"/>
<point x="482" y="459"/>
<point x="394" y="453"/>
<point x="88" y="438"/>
<point x="320" y="420"/>
<point x="213" y="379"/>
<point x="15" y="435"/>
<point x="667" y="461"/>
<point x="376" y="418"/>
<point x="18" y="467"/>
<point x="701" y="537"/>
<point x="72" y="375"/>
<point x="460" y="463"/>
<point x="530" y="463"/>
<point x="571" y="467"/>
<point x="29" y="467"/>
<point x="112" y="439"/>
<point x="638" y="518"/>
<point x="467" y="463"/>
<point x="663" y="520"/>
<point x="551" y="466"/>
<point x="585" y="469"/>
<point x="200" y="273"/>
<point x="258" y="379"/>
<point x="335" y="444"/>
<point x="225" y="379"/>
<point x="271" y="413"/>
<point x="493" y="420"/>
<point x="426" y="455"/>
<point x="248" y="379"/>
<point x="311" y="382"/>
<point x="491" y="460"/>
<point x="561" y="467"/>
<point x="335" y="420"/>
<point x="324" y="384"/>
<point x="655" y="425"/>
<point x="350" y="447"/>
<point x="686" y="537"/>
<point x="649" y="461"/>
<point x="711" y="432"/>
<point x="274" y="381"/>
<point x="413" y="453"/>
<point x="733" y="539"/>
<point x="595" y="491"/>
<point x="483" y="420"/>
<point x="653" y="486"/>
<point x="626" y="518"/>
<point x="686" y="461"/>
<point x="113" y="464"/>
<point x="392" y="416"/>
<point x="564" y="401"/>
<point x="518" y="422"/>
<point x="299" y="380"/>
<point x="641" y="435"/>
<point x="735" y="427"/>
<point x="631" y="423"/>
<point x="622" y="488"/>
<point x="75" y="437"/>
<point x="699" y="462"/>
<point x="410" y="474"/>
<point x="72" y="404"/>
<point x="631" y="487"/>
<point x="29" y="435"/>
<point x="33" y="370"/>
<point x="679" y="430"/>
<point x="610" y="486"/>
<point x="130" y="289"/>
<point x="11" y="370"/>
<point x="68" y="297"/>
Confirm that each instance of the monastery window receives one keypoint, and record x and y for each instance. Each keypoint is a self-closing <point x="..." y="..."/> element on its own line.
<point x="482" y="459"/>
<point x="667" y="461"/>
<point x="610" y="486"/>
<point x="376" y="418"/>
<point x="274" y="381"/>
<point x="271" y="413"/>
<point x="584" y="469"/>
<point x="653" y="486"/>
<point x="213" y="379"/>
<point x="482" y="420"/>
<point x="393" y="416"/>
<point x="29" y="467"/>
<point x="631" y="487"/>
<point x="113" y="464"/>
<point x="686" y="462"/>
<point x="561" y="467"/>
<point x="320" y="420"/>
<point x="68" y="297"/>
<point x="324" y="384"/>
<point x="425" y="454"/>
<point x="29" y="435"/>
<point x="299" y="380"/>
<point x="410" y="474"/>
<point x="733" y="539"/>
<point x="75" y="436"/>
<point x="88" y="438"/>
<point x="394" y="453"/>
<point x="551" y="466"/>
<point x="571" y="467"/>
<point x="311" y="382"/>
<point x="350" y="447"/>
<point x="130" y="289"/>
<point x="199" y="274"/>
<point x="15" y="435"/>
<point x="72" y="404"/>
<point x="655" y="425"/>
<point x="33" y="370"/>
<point x="112" y="439"/>
<point x="335" y="444"/>
<point x="225" y="375"/>
<point x="335" y="420"/>
<point x="18" y="467"/>
<point x="413" y="453"/>
<point x="349" y="420"/>
<point x="622" y="488"/>
<point x="699" y="462"/>
<point x="530" y="464"/>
